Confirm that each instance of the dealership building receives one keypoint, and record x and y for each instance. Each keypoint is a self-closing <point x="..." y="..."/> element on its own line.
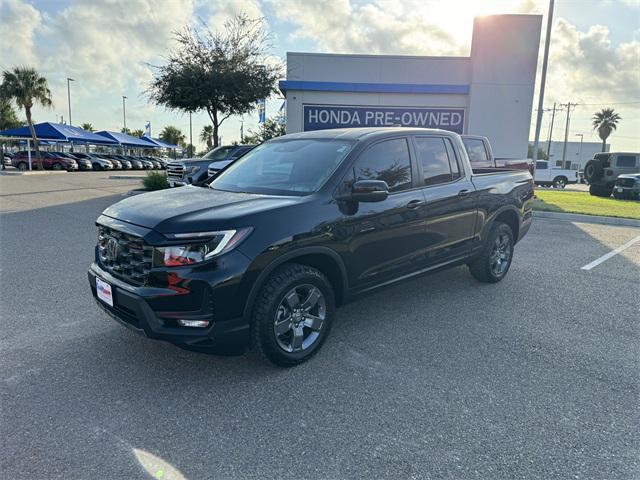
<point x="489" y="93"/>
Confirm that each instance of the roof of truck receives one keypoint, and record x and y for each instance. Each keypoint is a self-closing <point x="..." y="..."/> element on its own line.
<point x="361" y="133"/>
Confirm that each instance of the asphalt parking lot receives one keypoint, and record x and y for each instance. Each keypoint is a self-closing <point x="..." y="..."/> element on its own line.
<point x="437" y="377"/>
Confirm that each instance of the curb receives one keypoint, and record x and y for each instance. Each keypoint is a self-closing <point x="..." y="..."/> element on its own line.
<point x="18" y="173"/>
<point x="126" y="177"/>
<point x="576" y="217"/>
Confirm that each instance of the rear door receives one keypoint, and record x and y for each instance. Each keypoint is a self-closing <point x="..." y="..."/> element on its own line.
<point x="385" y="239"/>
<point x="450" y="196"/>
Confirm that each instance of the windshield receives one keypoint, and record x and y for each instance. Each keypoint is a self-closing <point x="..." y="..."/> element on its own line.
<point x="291" y="167"/>
<point x="217" y="154"/>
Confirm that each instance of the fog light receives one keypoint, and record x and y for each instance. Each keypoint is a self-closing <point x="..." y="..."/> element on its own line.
<point x="193" y="323"/>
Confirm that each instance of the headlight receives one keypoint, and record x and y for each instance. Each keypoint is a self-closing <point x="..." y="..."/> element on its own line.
<point x="213" y="243"/>
<point x="194" y="169"/>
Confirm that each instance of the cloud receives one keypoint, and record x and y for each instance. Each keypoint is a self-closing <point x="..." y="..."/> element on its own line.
<point x="18" y="23"/>
<point x="379" y="27"/>
<point x="586" y="66"/>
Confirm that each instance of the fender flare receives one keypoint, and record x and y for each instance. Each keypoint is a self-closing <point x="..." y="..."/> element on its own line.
<point x="494" y="215"/>
<point x="286" y="257"/>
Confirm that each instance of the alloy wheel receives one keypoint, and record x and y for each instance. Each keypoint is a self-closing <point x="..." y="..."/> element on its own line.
<point x="299" y="318"/>
<point x="500" y="255"/>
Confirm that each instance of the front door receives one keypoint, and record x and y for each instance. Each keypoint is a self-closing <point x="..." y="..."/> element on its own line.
<point x="385" y="239"/>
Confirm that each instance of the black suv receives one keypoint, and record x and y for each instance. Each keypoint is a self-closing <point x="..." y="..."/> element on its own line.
<point x="265" y="251"/>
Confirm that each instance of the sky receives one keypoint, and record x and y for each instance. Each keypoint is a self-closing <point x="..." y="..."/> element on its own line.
<point x="107" y="46"/>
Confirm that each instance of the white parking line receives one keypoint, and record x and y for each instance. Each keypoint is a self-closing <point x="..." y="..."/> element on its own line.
<point x="612" y="253"/>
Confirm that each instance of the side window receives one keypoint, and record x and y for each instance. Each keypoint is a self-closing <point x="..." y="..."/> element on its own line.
<point x="432" y="154"/>
<point x="453" y="160"/>
<point x="388" y="161"/>
<point x="541" y="165"/>
<point x="626" y="161"/>
<point x="475" y="150"/>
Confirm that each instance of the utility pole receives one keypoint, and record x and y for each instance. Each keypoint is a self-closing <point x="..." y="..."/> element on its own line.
<point x="190" y="137"/>
<point x="566" y="130"/>
<point x="124" y="113"/>
<point x="69" y="97"/>
<point x="543" y="81"/>
<point x="553" y="116"/>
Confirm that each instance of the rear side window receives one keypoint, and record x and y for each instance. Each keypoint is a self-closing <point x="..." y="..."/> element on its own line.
<point x="388" y="161"/>
<point x="626" y="161"/>
<point x="433" y="156"/>
<point x="541" y="165"/>
<point x="475" y="150"/>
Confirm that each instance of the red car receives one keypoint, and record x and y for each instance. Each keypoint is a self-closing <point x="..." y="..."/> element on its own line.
<point x="50" y="161"/>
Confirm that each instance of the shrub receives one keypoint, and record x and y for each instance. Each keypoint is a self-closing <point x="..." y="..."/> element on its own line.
<point x="155" y="181"/>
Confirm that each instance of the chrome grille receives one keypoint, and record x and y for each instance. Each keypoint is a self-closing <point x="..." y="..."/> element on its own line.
<point x="175" y="171"/>
<point x="132" y="260"/>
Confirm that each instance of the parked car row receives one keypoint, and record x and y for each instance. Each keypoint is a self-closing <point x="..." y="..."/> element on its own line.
<point x="72" y="161"/>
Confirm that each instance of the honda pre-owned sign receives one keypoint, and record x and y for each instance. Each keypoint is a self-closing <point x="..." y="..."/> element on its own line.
<point x="322" y="117"/>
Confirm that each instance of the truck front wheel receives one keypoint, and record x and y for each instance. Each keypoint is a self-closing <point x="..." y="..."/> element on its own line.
<point x="494" y="261"/>
<point x="292" y="314"/>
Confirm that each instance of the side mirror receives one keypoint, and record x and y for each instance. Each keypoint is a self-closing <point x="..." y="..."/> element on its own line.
<point x="369" y="191"/>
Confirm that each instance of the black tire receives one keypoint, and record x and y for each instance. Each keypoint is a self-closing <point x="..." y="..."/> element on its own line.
<point x="487" y="267"/>
<point x="57" y="166"/>
<point x="560" y="182"/>
<point x="270" y="310"/>
<point x="600" y="191"/>
<point x="23" y="167"/>
<point x="97" y="167"/>
<point x="593" y="171"/>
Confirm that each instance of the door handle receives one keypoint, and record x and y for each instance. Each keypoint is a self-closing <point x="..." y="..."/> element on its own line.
<point x="413" y="204"/>
<point x="463" y="193"/>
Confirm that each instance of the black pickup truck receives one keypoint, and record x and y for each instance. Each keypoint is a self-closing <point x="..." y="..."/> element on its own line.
<point x="264" y="253"/>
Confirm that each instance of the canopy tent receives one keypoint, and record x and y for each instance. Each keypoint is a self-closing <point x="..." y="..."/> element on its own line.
<point x="160" y="143"/>
<point x="57" y="132"/>
<point x="126" y="140"/>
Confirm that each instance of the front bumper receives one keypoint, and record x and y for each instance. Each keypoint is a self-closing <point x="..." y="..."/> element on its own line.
<point x="132" y="307"/>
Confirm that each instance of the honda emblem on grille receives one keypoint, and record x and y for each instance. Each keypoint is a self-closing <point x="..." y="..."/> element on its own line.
<point x="111" y="249"/>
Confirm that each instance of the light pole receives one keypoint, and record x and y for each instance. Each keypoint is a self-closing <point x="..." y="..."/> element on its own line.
<point x="124" y="113"/>
<point x="190" y="137"/>
<point x="581" y="135"/>
<point x="543" y="81"/>
<point x="69" y="80"/>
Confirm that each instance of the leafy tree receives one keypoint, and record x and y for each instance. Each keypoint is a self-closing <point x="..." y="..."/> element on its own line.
<point x="542" y="155"/>
<point x="88" y="127"/>
<point x="8" y="116"/>
<point x="190" y="151"/>
<point x="224" y="73"/>
<point x="125" y="130"/>
<point x="26" y="87"/>
<point x="206" y="135"/>
<point x="272" y="128"/>
<point x="137" y="133"/>
<point x="171" y="134"/>
<point x="605" y="121"/>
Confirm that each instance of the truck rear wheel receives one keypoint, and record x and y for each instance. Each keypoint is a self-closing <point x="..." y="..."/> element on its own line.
<point x="494" y="261"/>
<point x="560" y="182"/>
<point x="292" y="314"/>
<point x="600" y="191"/>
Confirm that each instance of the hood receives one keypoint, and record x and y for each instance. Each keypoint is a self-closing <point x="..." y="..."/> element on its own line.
<point x="194" y="209"/>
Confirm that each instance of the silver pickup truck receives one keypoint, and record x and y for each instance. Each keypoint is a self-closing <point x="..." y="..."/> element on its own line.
<point x="194" y="170"/>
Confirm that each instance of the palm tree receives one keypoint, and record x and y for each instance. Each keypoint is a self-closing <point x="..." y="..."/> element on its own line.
<point x="605" y="121"/>
<point x="137" y="133"/>
<point x="172" y="135"/>
<point x="206" y="135"/>
<point x="26" y="87"/>
<point x="88" y="127"/>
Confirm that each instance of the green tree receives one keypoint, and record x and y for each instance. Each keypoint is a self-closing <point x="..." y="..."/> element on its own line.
<point x="126" y="131"/>
<point x="190" y="151"/>
<point x="8" y="116"/>
<point x="206" y="135"/>
<point x="171" y="134"/>
<point x="137" y="133"/>
<point x="26" y="87"/>
<point x="272" y="128"/>
<point x="224" y="73"/>
<point x="88" y="127"/>
<point x="605" y="121"/>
